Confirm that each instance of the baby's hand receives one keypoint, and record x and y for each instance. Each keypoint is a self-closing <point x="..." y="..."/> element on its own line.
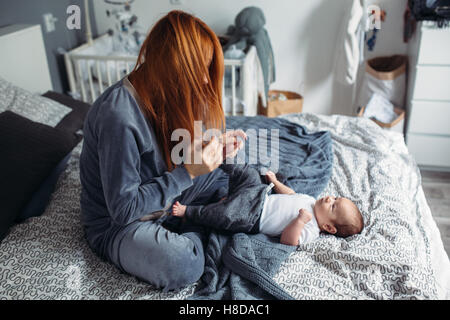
<point x="271" y="177"/>
<point x="305" y="216"/>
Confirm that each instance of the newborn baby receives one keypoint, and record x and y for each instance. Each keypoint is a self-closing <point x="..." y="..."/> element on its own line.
<point x="297" y="218"/>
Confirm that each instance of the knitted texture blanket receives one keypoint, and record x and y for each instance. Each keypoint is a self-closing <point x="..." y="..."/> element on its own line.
<point x="301" y="160"/>
<point x="242" y="266"/>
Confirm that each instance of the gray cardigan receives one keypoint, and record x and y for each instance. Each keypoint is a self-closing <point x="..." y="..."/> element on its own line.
<point x="122" y="172"/>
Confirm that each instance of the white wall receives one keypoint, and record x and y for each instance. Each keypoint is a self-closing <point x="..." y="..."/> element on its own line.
<point x="303" y="35"/>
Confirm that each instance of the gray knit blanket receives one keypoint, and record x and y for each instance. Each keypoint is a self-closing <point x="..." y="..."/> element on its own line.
<point x="302" y="159"/>
<point x="243" y="266"/>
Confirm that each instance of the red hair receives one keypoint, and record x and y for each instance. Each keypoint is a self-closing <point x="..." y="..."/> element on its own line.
<point x="180" y="53"/>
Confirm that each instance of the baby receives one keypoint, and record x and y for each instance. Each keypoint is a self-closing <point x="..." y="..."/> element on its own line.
<point x="297" y="218"/>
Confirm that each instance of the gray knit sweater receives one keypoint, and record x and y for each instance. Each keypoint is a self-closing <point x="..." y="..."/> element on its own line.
<point x="122" y="172"/>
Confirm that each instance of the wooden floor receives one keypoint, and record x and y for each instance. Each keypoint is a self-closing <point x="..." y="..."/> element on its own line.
<point x="436" y="186"/>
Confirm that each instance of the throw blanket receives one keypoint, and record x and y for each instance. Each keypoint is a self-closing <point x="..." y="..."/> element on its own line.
<point x="243" y="266"/>
<point x="305" y="160"/>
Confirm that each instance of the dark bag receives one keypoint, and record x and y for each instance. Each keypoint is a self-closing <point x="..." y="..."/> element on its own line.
<point x="434" y="10"/>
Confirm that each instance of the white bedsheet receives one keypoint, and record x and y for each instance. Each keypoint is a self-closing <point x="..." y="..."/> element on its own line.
<point x="372" y="166"/>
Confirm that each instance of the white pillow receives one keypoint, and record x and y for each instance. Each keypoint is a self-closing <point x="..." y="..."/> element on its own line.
<point x="31" y="106"/>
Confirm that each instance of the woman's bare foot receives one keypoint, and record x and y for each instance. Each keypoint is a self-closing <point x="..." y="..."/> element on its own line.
<point x="178" y="209"/>
<point x="293" y="230"/>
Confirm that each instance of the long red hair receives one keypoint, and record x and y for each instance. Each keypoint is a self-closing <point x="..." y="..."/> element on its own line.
<point x="178" y="77"/>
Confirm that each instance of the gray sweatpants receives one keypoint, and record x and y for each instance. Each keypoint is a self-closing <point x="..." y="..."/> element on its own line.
<point x="162" y="257"/>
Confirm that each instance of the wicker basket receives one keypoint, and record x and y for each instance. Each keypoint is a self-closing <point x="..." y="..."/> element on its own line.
<point x="395" y="125"/>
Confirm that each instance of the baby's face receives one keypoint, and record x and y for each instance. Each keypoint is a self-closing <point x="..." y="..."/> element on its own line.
<point x="329" y="208"/>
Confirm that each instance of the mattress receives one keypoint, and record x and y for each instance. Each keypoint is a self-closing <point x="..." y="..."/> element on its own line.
<point x="399" y="254"/>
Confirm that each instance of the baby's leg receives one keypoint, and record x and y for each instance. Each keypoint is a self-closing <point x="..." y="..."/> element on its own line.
<point x="241" y="176"/>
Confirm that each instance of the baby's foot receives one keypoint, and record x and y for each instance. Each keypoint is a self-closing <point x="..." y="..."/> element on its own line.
<point x="178" y="209"/>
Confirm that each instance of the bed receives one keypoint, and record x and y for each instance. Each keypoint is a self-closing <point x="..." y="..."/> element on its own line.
<point x="399" y="254"/>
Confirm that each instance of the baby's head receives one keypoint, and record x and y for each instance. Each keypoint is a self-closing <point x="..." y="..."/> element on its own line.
<point x="338" y="216"/>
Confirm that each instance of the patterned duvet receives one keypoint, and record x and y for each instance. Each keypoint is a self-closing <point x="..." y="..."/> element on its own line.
<point x="398" y="254"/>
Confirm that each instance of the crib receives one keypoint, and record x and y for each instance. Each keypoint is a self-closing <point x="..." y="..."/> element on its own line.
<point x="91" y="68"/>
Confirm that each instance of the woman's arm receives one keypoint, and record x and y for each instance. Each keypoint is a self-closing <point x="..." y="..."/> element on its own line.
<point x="127" y="197"/>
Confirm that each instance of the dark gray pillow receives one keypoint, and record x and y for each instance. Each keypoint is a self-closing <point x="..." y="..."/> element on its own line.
<point x="29" y="153"/>
<point x="41" y="197"/>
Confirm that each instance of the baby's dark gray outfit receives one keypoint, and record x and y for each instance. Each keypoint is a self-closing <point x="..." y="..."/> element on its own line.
<point x="241" y="210"/>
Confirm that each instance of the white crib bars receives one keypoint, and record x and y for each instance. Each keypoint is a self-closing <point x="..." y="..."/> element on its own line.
<point x="88" y="87"/>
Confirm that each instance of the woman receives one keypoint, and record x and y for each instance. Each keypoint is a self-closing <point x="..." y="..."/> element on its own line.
<point x="126" y="168"/>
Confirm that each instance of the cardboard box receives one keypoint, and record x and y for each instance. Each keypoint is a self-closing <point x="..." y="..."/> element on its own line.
<point x="274" y="108"/>
<point x="396" y="125"/>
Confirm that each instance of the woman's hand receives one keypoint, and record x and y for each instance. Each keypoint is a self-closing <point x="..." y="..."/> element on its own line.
<point x="231" y="144"/>
<point x="214" y="152"/>
<point x="209" y="157"/>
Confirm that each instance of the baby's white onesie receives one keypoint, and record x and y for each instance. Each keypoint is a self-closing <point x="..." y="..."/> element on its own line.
<point x="280" y="209"/>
